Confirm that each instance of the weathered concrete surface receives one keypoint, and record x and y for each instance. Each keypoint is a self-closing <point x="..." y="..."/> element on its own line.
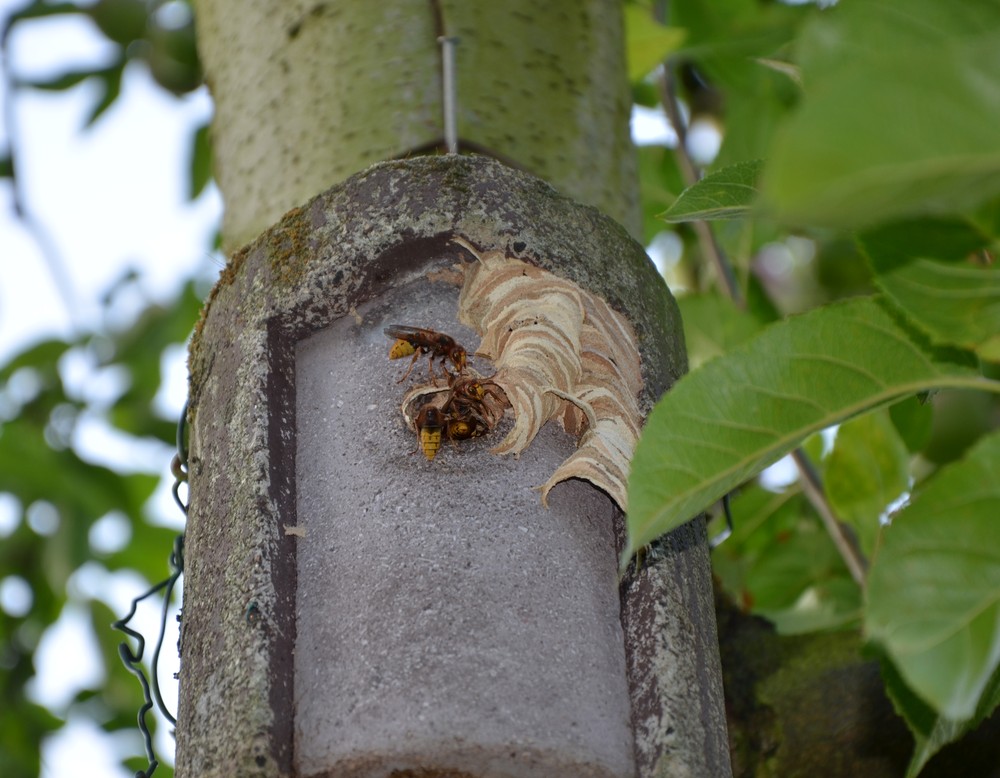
<point x="349" y="248"/>
<point x="445" y="619"/>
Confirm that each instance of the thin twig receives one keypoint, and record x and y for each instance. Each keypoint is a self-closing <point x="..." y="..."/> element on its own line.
<point x="845" y="543"/>
<point x="690" y="174"/>
<point x="811" y="484"/>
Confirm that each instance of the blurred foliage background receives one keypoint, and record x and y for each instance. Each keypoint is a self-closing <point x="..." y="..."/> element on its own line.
<point x="74" y="530"/>
<point x="80" y="538"/>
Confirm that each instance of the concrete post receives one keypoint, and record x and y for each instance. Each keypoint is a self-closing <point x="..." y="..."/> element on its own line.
<point x="353" y="609"/>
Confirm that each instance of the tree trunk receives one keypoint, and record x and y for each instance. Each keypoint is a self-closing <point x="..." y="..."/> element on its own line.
<point x="308" y="93"/>
<point x="353" y="610"/>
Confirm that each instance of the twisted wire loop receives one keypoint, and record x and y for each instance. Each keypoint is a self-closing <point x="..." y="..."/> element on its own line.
<point x="179" y="464"/>
<point x="718" y="540"/>
<point x="133" y="660"/>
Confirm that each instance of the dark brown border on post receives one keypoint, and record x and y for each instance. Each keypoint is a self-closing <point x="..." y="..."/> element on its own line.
<point x="281" y="439"/>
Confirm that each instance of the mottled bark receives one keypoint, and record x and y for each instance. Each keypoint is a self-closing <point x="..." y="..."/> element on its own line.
<point x="308" y="93"/>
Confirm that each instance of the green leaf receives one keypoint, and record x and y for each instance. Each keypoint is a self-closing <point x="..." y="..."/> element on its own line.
<point x="43" y="354"/>
<point x="831" y="604"/>
<point x="61" y="82"/>
<point x="728" y="193"/>
<point x="934" y="587"/>
<point x="899" y="116"/>
<point x="987" y="217"/>
<point x="913" y="418"/>
<point x="841" y="268"/>
<point x="25" y="726"/>
<point x="725" y="35"/>
<point x="790" y="566"/>
<point x="755" y="111"/>
<point x="931" y="732"/>
<point x="121" y="21"/>
<point x="780" y="564"/>
<point x="40" y="9"/>
<point x="647" y="42"/>
<point x="955" y="304"/>
<point x="923" y="266"/>
<point x="730" y="418"/>
<point x="761" y="519"/>
<point x="893" y="245"/>
<point x="866" y="471"/>
<point x="713" y="326"/>
<point x="111" y="80"/>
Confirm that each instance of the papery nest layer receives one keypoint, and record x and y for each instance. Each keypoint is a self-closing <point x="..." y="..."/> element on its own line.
<point x="560" y="353"/>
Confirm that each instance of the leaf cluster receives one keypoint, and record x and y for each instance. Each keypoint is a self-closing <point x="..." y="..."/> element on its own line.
<point x="59" y="498"/>
<point x="158" y="36"/>
<point x="855" y="198"/>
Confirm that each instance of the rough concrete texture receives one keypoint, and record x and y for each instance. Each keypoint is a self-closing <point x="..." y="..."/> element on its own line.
<point x="349" y="248"/>
<point x="446" y="621"/>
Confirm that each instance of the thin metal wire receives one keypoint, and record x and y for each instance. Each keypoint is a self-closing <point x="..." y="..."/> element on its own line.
<point x="177" y="565"/>
<point x="133" y="660"/>
<point x="179" y="464"/>
<point x="723" y="535"/>
<point x="449" y="96"/>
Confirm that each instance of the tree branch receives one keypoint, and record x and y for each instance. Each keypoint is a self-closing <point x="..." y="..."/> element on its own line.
<point x="690" y="174"/>
<point x="811" y="483"/>
<point x="843" y="540"/>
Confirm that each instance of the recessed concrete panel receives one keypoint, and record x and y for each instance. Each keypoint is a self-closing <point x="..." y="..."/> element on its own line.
<point x="445" y="620"/>
<point x="527" y="658"/>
